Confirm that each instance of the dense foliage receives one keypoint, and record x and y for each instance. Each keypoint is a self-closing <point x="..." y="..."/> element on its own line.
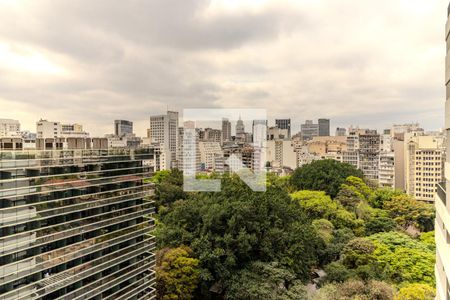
<point x="323" y="175"/>
<point x="373" y="243"/>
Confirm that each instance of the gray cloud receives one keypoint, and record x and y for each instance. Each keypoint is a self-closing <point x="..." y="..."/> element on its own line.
<point x="357" y="62"/>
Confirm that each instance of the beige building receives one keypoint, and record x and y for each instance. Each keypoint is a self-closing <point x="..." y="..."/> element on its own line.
<point x="424" y="165"/>
<point x="211" y="156"/>
<point x="281" y="153"/>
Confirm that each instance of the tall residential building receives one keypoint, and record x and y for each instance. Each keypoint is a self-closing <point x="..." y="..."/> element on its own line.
<point x="424" y="165"/>
<point x="226" y="130"/>
<point x="309" y="130"/>
<point x="281" y="154"/>
<point x="123" y="127"/>
<point x="340" y="131"/>
<point x="9" y="128"/>
<point x="188" y="153"/>
<point x="164" y="131"/>
<point x="284" y="124"/>
<point x="369" y="153"/>
<point x="75" y="224"/>
<point x="442" y="202"/>
<point x="324" y="127"/>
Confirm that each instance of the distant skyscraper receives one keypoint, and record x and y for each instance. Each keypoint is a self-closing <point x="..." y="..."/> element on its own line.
<point x="324" y="127"/>
<point x="340" y="131"/>
<point x="226" y="130"/>
<point x="284" y="124"/>
<point x="309" y="130"/>
<point x="240" y="128"/>
<point x="164" y="130"/>
<point x="123" y="127"/>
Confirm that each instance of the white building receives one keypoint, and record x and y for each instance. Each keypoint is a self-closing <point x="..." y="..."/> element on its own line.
<point x="48" y="129"/>
<point x="164" y="130"/>
<point x="9" y="128"/>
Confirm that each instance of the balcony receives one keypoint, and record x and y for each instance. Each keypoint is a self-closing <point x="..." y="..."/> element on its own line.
<point x="441" y="192"/>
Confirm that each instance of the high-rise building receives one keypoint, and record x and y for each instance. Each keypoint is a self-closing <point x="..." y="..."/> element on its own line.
<point x="164" y="131"/>
<point x="240" y="129"/>
<point x="75" y="224"/>
<point x="324" y="127"/>
<point x="211" y="156"/>
<point x="123" y="127"/>
<point x="424" y="165"/>
<point x="9" y="128"/>
<point x="442" y="202"/>
<point x="226" y="130"/>
<point x="309" y="130"/>
<point x="284" y="124"/>
<point x="340" y="131"/>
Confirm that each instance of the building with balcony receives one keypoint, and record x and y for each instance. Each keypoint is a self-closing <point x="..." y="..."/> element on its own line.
<point x="442" y="202"/>
<point x="75" y="221"/>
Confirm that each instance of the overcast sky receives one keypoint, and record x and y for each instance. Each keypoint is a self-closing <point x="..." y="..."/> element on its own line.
<point x="360" y="62"/>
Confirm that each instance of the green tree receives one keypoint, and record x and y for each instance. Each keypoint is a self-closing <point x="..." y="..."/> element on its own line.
<point x="407" y="211"/>
<point x="416" y="291"/>
<point x="379" y="221"/>
<point x="265" y="281"/>
<point x="177" y="273"/>
<point x="323" y="175"/>
<point x="324" y="229"/>
<point x="357" y="290"/>
<point x="337" y="272"/>
<point x="169" y="187"/>
<point x="230" y="229"/>
<point x="381" y="195"/>
<point x="318" y="205"/>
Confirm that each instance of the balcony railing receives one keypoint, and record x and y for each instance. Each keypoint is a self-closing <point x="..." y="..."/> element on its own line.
<point x="441" y="191"/>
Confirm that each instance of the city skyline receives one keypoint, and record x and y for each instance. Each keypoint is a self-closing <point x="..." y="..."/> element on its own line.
<point x="130" y="71"/>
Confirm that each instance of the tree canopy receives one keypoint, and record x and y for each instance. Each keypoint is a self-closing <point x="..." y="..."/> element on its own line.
<point x="323" y="175"/>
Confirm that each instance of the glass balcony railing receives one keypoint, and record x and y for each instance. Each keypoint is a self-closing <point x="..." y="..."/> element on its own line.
<point x="65" y="278"/>
<point x="441" y="192"/>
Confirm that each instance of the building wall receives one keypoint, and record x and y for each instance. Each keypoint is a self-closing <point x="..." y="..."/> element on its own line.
<point x="442" y="198"/>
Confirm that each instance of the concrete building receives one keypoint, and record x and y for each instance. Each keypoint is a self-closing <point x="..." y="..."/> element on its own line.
<point x="424" y="165"/>
<point x="123" y="127"/>
<point x="211" y="135"/>
<point x="309" y="130"/>
<point x="284" y="124"/>
<point x="275" y="133"/>
<point x="240" y="130"/>
<point x="9" y="128"/>
<point x="50" y="129"/>
<point x="211" y="156"/>
<point x="164" y="130"/>
<point x="442" y="202"/>
<point x="281" y="154"/>
<point x="324" y="127"/>
<point x="226" y="130"/>
<point x="75" y="223"/>
<point x="340" y="131"/>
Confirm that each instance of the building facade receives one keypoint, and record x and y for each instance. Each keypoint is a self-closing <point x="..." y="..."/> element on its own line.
<point x="164" y="130"/>
<point x="226" y="130"/>
<point x="75" y="223"/>
<point x="324" y="127"/>
<point x="284" y="124"/>
<point x="123" y="127"/>
<point x="9" y="128"/>
<point x="442" y="202"/>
